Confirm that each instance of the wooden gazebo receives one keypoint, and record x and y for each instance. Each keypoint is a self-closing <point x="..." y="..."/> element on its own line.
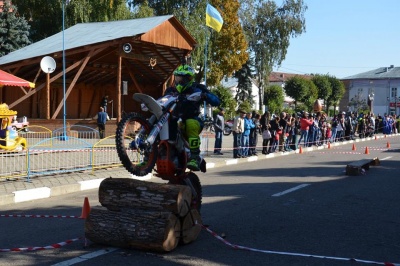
<point x="115" y="58"/>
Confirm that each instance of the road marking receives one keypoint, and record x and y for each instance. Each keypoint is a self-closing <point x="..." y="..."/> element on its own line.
<point x="85" y="257"/>
<point x="386" y="158"/>
<point x="290" y="190"/>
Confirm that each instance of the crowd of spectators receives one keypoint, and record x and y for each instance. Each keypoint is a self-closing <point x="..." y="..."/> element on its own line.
<point x="286" y="132"/>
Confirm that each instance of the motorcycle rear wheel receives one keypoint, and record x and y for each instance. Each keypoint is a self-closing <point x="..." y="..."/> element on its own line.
<point x="132" y="131"/>
<point x="194" y="184"/>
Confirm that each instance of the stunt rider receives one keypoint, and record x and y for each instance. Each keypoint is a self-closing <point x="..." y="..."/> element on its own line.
<point x="189" y="111"/>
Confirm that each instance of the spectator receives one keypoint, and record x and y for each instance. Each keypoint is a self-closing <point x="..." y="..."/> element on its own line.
<point x="104" y="103"/>
<point x="305" y="124"/>
<point x="274" y="134"/>
<point x="361" y="126"/>
<point x="334" y="128"/>
<point x="248" y="125"/>
<point x="296" y="132"/>
<point x="254" y="132"/>
<point x="237" y="131"/>
<point x="102" y="118"/>
<point x="219" y="124"/>
<point x="264" y="122"/>
<point x="340" y="127"/>
<point x="282" y="131"/>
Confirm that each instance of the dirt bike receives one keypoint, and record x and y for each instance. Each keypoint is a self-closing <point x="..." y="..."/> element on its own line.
<point x="144" y="145"/>
<point x="208" y="124"/>
<point x="228" y="127"/>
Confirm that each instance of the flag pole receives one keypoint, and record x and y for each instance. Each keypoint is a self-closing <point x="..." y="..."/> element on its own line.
<point x="205" y="64"/>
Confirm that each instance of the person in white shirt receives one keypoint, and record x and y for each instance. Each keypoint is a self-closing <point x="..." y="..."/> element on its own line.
<point x="237" y="130"/>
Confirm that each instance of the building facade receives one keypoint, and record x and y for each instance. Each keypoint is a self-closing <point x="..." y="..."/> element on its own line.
<point x="377" y="90"/>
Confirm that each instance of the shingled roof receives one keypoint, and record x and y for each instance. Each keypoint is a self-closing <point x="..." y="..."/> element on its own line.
<point x="390" y="72"/>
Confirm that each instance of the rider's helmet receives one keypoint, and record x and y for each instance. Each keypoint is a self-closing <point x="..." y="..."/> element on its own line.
<point x="184" y="76"/>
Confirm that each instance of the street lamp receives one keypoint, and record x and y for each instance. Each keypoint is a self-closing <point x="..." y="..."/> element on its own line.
<point x="64" y="137"/>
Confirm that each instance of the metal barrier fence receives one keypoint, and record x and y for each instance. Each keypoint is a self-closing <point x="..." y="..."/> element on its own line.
<point x="49" y="152"/>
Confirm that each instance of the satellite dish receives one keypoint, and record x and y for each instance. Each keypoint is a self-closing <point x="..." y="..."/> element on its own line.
<point x="127" y="47"/>
<point x="48" y="64"/>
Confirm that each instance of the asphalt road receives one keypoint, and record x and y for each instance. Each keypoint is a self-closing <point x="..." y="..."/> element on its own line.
<point x="279" y="210"/>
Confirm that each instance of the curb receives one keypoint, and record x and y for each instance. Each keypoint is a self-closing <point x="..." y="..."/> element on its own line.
<point x="46" y="192"/>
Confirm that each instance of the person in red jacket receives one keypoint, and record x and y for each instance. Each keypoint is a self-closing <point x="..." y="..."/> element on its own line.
<point x="305" y="123"/>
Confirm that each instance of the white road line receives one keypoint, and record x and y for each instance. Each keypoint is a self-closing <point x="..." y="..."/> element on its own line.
<point x="290" y="190"/>
<point x="386" y="158"/>
<point x="85" y="257"/>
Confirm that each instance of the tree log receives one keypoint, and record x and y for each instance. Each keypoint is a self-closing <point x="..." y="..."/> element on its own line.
<point x="119" y="193"/>
<point x="149" y="230"/>
<point x="191" y="226"/>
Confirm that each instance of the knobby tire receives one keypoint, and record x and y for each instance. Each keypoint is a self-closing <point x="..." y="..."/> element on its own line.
<point x="127" y="131"/>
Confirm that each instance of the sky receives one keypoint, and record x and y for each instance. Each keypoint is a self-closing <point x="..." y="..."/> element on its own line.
<point x="345" y="38"/>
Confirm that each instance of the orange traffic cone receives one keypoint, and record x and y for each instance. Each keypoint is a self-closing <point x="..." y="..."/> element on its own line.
<point x="366" y="150"/>
<point x="85" y="209"/>
<point x="354" y="147"/>
<point x="301" y="150"/>
<point x="388" y="145"/>
<point x="329" y="145"/>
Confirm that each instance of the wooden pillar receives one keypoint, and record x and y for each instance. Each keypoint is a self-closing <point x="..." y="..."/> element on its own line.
<point x="118" y="104"/>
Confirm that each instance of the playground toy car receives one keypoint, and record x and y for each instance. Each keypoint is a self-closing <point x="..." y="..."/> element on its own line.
<point x="20" y="124"/>
<point x="9" y="139"/>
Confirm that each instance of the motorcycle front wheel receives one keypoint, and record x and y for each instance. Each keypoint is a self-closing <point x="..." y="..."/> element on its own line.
<point x="135" y="155"/>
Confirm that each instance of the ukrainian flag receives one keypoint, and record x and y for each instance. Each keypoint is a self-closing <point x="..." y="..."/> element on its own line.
<point x="213" y="18"/>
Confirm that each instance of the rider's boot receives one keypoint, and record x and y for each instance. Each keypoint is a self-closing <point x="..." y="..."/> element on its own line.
<point x="194" y="160"/>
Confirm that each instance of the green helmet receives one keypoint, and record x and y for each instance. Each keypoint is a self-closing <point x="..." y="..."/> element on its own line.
<point x="187" y="74"/>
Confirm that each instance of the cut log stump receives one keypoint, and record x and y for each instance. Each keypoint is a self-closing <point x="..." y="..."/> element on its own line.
<point x="359" y="167"/>
<point x="148" y="230"/>
<point x="119" y="193"/>
<point x="191" y="226"/>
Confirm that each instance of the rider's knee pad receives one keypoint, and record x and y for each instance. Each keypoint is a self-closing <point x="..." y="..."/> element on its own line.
<point x="192" y="128"/>
<point x="194" y="143"/>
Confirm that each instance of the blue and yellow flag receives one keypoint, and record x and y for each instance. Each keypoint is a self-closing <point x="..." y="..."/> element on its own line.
<point x="213" y="18"/>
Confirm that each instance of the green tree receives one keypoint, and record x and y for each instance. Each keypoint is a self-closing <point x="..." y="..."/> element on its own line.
<point x="245" y="106"/>
<point x="45" y="16"/>
<point x="297" y="88"/>
<point x="244" y="88"/>
<point x="338" y="90"/>
<point x="227" y="101"/>
<point x="273" y="98"/>
<point x="311" y="95"/>
<point x="269" y="28"/>
<point x="14" y="30"/>
<point x="228" y="48"/>
<point x="323" y="86"/>
<point x="80" y="11"/>
<point x="143" y="10"/>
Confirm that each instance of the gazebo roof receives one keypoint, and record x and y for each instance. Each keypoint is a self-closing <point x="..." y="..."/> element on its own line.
<point x="92" y="53"/>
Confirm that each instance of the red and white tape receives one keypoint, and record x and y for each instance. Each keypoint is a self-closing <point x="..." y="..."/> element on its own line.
<point x="54" y="246"/>
<point x="37" y="216"/>
<point x="295" y="254"/>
